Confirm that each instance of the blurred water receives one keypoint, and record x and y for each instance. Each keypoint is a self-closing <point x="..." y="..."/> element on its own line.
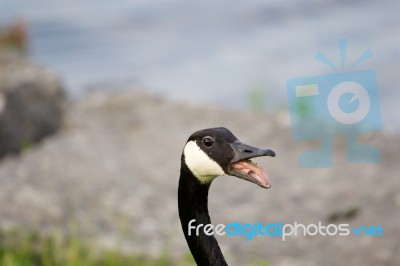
<point x="210" y="52"/>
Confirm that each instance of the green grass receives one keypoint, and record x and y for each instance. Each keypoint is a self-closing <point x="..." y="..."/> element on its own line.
<point x="257" y="99"/>
<point x="22" y="248"/>
<point x="28" y="248"/>
<point x="304" y="107"/>
<point x="26" y="145"/>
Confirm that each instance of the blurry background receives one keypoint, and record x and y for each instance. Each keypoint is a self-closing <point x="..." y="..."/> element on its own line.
<point x="163" y="69"/>
<point x="200" y="51"/>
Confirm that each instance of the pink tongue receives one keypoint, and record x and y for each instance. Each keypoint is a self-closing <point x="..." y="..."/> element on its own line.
<point x="258" y="175"/>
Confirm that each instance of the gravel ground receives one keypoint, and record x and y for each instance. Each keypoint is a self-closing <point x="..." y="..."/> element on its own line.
<point x="113" y="170"/>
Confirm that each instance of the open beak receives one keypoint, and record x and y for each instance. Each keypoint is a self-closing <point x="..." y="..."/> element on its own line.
<point x="241" y="166"/>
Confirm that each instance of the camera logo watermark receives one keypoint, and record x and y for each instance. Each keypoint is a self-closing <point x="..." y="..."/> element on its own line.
<point x="344" y="103"/>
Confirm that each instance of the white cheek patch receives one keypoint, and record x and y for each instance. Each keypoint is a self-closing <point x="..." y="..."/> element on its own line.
<point x="202" y="166"/>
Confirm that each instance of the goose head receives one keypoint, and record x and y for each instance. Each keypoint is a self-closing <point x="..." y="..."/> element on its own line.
<point x="213" y="152"/>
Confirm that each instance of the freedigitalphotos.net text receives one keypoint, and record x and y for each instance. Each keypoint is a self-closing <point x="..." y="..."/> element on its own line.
<point x="282" y="230"/>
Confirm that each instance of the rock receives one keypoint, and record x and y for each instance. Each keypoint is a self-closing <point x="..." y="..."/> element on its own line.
<point x="31" y="103"/>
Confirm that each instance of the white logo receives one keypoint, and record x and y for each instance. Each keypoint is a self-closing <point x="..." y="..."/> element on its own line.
<point x="359" y="93"/>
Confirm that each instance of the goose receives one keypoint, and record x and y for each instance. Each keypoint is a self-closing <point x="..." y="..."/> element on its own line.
<point x="207" y="154"/>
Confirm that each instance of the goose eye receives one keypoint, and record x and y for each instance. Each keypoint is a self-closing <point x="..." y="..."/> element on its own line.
<point x="208" y="142"/>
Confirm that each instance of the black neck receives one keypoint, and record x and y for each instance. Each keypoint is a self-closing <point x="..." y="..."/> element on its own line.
<point x="192" y="204"/>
